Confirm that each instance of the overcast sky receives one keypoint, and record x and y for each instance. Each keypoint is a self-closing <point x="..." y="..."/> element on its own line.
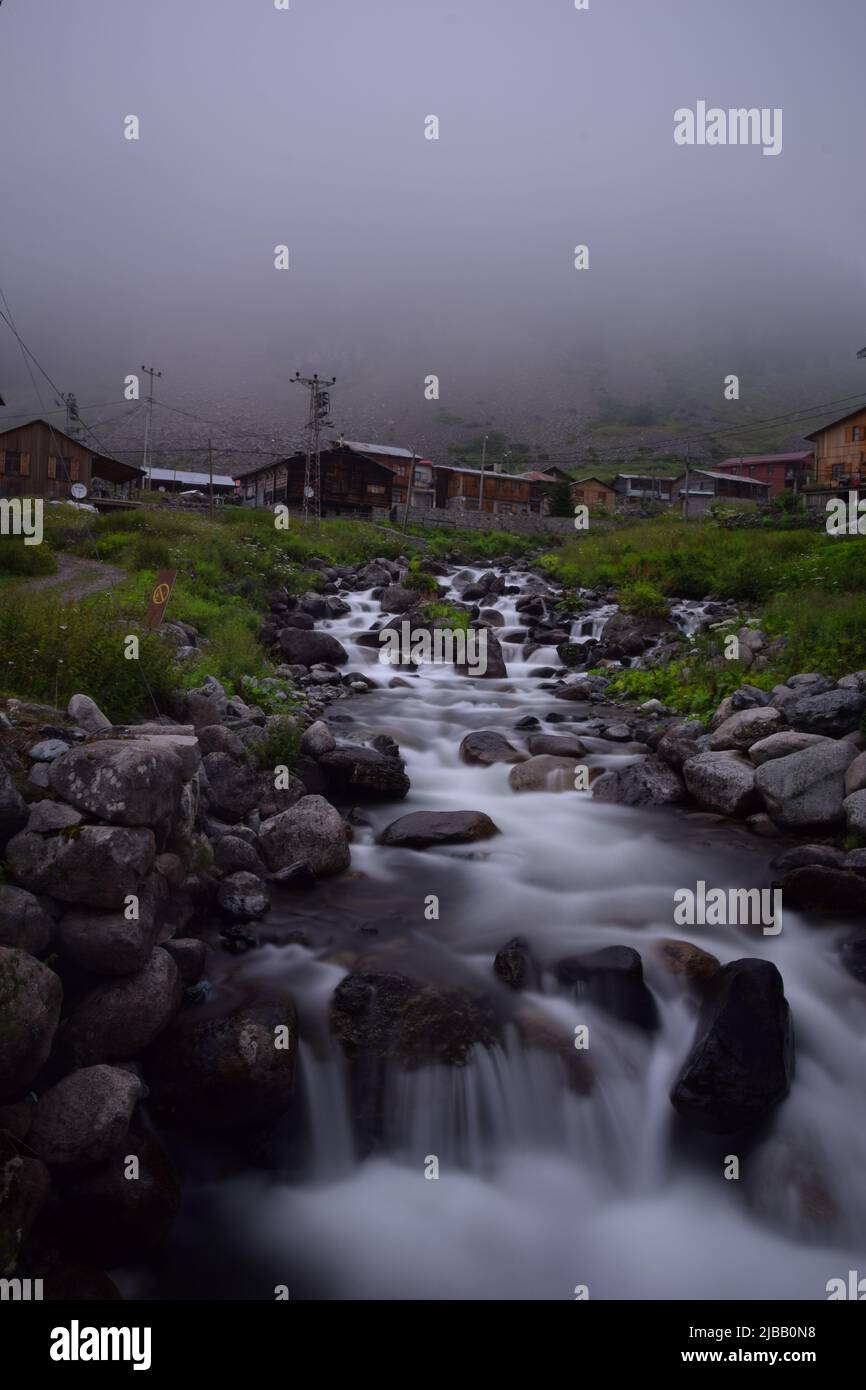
<point x="411" y="256"/>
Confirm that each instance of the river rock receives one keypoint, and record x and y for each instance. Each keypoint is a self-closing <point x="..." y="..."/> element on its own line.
<point x="800" y="855"/>
<point x="123" y="783"/>
<point x="85" y="1117"/>
<point x="233" y="855"/>
<point x="188" y="954"/>
<point x="243" y="896"/>
<point x="543" y="773"/>
<point x="111" y="1219"/>
<point x="684" y="958"/>
<point x="834" y="713"/>
<point x="118" y="1019"/>
<point x="649" y="782"/>
<point x="308" y="648"/>
<point x="805" y="791"/>
<point x="95" y="864"/>
<point x="365" y="772"/>
<point x="421" y="829"/>
<point x="207" y="704"/>
<point x="225" y="1072"/>
<point x="216" y="738"/>
<point x="48" y="816"/>
<point x="721" y="782"/>
<point x="317" y="740"/>
<point x="233" y="789"/>
<point x="612" y="979"/>
<point x="854" y="807"/>
<point x="556" y="746"/>
<point x="742" y="1059"/>
<point x="678" y="743"/>
<point x="745" y="727"/>
<point x="631" y="634"/>
<point x="781" y="745"/>
<point x="24" y="925"/>
<point x="13" y="809"/>
<point x="108" y="943"/>
<point x="25" y="1186"/>
<point x="86" y="714"/>
<point x="30" y="999"/>
<point x="515" y="965"/>
<point x="487" y="747"/>
<point x="312" y="831"/>
<point x="819" y="888"/>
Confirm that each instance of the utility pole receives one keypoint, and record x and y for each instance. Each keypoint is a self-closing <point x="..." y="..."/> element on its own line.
<point x="317" y="416"/>
<point x="210" y="470"/>
<point x="481" y="484"/>
<point x="72" y="420"/>
<point x="688" y="463"/>
<point x="409" y="487"/>
<point x="148" y="421"/>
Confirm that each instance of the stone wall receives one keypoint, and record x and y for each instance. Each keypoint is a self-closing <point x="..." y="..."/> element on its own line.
<point x="525" y="523"/>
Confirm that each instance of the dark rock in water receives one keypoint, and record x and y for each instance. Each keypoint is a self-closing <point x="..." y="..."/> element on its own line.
<point x="232" y="855"/>
<point x="491" y="652"/>
<point x="556" y="746"/>
<point x="421" y="829"/>
<point x="612" y="979"/>
<point x="227" y="1072"/>
<point x="313" y="831"/>
<point x="677" y="744"/>
<point x="85" y="1118"/>
<point x="119" y="1018"/>
<point x="631" y="634"/>
<point x="110" y="1219"/>
<point x="647" y="783"/>
<point x="188" y="954"/>
<point x="571" y="653"/>
<point x="723" y="783"/>
<point x="515" y="965"/>
<point x="835" y="712"/>
<point x="488" y="747"/>
<point x="801" y="855"/>
<point x="308" y="648"/>
<point x="684" y="958"/>
<point x="384" y="743"/>
<point x="816" y="888"/>
<point x="243" y="895"/>
<point x="556" y="717"/>
<point x="297" y="875"/>
<point x="365" y="772"/>
<point x="528" y="721"/>
<point x="300" y="621"/>
<point x="742" y="1060"/>
<point x="854" y="957"/>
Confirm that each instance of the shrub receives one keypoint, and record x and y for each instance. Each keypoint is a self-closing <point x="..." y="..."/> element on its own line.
<point x="643" y="599"/>
<point x="278" y="744"/>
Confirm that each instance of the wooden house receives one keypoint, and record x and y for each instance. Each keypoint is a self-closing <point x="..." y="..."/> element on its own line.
<point x="352" y="483"/>
<point x="39" y="460"/>
<point x="840" y="451"/>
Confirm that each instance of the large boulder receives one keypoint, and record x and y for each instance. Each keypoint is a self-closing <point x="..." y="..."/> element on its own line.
<point x="118" y="1019"/>
<point x="854" y="807"/>
<point x="13" y="809"/>
<point x="312" y="831"/>
<point x="233" y="789"/>
<point x="746" y="727"/>
<point x="631" y="634"/>
<point x="721" y="782"/>
<point x="110" y="943"/>
<point x="422" y="829"/>
<point x="95" y="864"/>
<point x="648" y="782"/>
<point x="487" y="747"/>
<point x="224" y="1072"/>
<point x="824" y="889"/>
<point x="24" y="925"/>
<point x="489" y="654"/>
<point x="543" y="773"/>
<point x="86" y="714"/>
<point x="834" y="712"/>
<point x="85" y="1117"/>
<point x="317" y="740"/>
<point x="612" y="979"/>
<point x="307" y="648"/>
<point x="364" y="772"/>
<point x="30" y="1000"/>
<point x="805" y="791"/>
<point x="556" y="745"/>
<point x="243" y="896"/>
<point x="122" y="783"/>
<point x="781" y="745"/>
<point x="742" y="1059"/>
<point x="395" y="599"/>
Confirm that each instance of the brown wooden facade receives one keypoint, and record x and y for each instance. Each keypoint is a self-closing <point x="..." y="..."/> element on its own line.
<point x="592" y="492"/>
<point x="352" y="483"/>
<point x="840" y="451"/>
<point x="38" y="460"/>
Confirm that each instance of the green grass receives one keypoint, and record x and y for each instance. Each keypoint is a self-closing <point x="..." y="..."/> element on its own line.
<point x="446" y="613"/>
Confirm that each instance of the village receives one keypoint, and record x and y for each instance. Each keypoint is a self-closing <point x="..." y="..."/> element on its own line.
<point x="381" y="482"/>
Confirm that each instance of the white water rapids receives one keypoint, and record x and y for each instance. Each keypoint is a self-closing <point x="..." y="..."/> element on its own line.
<point x="540" y="1189"/>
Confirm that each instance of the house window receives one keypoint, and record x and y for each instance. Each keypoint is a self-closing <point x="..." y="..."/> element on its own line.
<point x="52" y="467"/>
<point x="836" y="471"/>
<point x="375" y="487"/>
<point x="13" y="462"/>
<point x="857" y="433"/>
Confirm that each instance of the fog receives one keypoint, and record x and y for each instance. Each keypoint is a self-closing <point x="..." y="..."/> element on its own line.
<point x="411" y="256"/>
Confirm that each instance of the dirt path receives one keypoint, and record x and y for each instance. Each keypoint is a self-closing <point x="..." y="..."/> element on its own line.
<point x="77" y="578"/>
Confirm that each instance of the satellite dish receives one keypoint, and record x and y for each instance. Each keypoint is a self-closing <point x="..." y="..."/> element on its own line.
<point x="308" y="492"/>
<point x="79" y="491"/>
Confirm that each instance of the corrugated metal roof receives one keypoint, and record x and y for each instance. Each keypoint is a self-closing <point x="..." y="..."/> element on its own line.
<point x="376" y="448"/>
<point x="726" y="477"/>
<point x="745" y="459"/>
<point x="171" y="475"/>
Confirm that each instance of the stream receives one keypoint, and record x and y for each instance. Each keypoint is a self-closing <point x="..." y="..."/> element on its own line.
<point x="540" y="1188"/>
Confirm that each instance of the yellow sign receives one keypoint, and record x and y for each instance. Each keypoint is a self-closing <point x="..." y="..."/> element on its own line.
<point x="160" y="597"/>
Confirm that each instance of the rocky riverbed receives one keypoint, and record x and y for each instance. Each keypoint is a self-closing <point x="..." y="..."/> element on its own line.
<point x="243" y="1011"/>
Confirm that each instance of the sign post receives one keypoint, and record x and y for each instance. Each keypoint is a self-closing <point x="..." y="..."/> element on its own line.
<point x="159" y="597"/>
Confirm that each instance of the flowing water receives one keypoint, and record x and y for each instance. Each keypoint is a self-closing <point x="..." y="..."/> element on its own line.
<point x="540" y="1188"/>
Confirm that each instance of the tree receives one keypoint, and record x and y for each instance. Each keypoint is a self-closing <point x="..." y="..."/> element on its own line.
<point x="559" y="501"/>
